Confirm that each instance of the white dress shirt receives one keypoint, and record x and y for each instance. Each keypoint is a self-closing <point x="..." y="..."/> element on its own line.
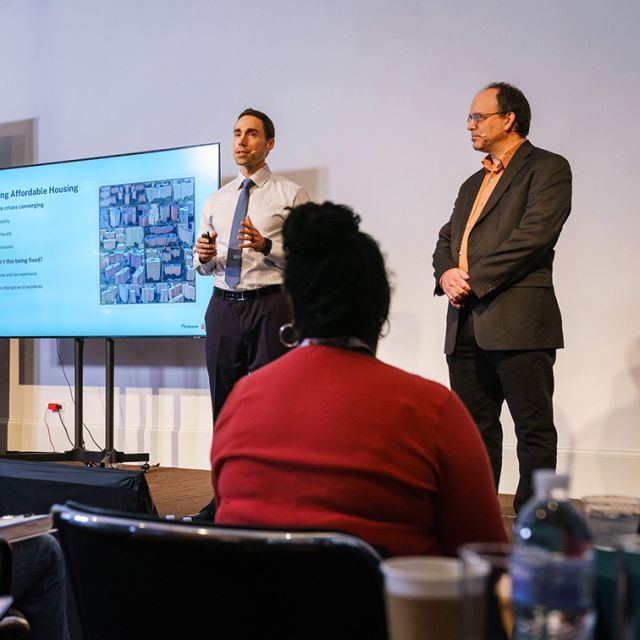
<point x="267" y="203"/>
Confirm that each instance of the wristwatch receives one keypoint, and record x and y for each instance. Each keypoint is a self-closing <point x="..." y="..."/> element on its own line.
<point x="266" y="247"/>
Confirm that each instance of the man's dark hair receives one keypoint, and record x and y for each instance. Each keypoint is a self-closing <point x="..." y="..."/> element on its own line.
<point x="267" y="123"/>
<point x="335" y="274"/>
<point x="511" y="100"/>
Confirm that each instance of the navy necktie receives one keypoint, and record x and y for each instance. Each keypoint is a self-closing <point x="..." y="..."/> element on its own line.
<point x="234" y="252"/>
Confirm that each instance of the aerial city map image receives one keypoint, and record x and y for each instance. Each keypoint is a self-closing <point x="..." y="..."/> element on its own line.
<point x="146" y="242"/>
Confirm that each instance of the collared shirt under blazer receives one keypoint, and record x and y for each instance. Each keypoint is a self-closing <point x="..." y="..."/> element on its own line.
<point x="510" y="253"/>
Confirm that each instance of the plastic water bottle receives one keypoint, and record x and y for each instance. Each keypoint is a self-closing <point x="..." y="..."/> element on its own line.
<point x="551" y="566"/>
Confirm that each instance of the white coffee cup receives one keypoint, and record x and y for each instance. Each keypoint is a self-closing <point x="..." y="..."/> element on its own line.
<point x="431" y="598"/>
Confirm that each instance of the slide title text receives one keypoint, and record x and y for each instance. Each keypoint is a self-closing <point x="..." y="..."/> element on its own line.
<point x="38" y="191"/>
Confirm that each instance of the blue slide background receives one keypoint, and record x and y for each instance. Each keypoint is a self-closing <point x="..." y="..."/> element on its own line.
<point x="60" y="243"/>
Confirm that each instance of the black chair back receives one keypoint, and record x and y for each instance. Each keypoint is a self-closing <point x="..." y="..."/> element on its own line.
<point x="137" y="577"/>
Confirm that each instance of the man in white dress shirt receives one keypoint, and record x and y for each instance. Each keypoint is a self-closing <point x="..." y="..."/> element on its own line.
<point x="240" y="244"/>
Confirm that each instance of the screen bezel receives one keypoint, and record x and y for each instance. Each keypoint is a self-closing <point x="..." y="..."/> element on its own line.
<point x="100" y="335"/>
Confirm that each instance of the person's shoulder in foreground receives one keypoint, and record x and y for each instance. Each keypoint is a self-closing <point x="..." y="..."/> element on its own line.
<point x="426" y="481"/>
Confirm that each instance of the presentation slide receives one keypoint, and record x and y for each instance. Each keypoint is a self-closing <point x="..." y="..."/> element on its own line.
<point x="103" y="247"/>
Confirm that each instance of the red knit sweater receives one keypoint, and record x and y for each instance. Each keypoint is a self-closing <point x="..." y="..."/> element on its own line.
<point x="334" y="439"/>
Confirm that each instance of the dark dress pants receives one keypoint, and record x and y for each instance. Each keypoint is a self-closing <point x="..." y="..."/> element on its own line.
<point x="39" y="587"/>
<point x="242" y="335"/>
<point x="485" y="379"/>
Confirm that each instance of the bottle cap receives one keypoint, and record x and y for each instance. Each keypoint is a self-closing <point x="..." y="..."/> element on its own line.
<point x="546" y="479"/>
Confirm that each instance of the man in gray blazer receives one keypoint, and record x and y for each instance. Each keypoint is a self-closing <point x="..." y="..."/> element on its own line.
<point x="494" y="261"/>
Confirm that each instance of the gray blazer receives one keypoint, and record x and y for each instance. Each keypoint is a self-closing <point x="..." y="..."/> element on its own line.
<point x="510" y="253"/>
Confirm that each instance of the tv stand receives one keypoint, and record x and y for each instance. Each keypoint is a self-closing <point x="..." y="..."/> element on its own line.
<point x="109" y="455"/>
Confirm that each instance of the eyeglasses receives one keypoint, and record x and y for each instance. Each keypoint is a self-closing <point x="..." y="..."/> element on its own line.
<point x="479" y="117"/>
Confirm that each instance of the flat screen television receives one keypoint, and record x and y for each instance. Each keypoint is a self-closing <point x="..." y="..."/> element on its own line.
<point x="103" y="247"/>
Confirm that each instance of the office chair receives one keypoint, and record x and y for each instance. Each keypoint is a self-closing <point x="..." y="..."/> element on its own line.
<point x="137" y="577"/>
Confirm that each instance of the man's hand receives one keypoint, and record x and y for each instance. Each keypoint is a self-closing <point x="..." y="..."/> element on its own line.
<point x="206" y="248"/>
<point x="455" y="286"/>
<point x="250" y="237"/>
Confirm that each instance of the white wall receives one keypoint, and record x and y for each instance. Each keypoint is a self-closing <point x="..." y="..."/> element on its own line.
<point x="369" y="99"/>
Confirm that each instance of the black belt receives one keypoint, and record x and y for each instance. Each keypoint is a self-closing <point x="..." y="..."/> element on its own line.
<point x="249" y="294"/>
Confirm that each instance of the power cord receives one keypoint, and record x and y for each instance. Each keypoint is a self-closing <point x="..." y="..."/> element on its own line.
<point x="73" y="400"/>
<point x="64" y="426"/>
<point x="46" y="424"/>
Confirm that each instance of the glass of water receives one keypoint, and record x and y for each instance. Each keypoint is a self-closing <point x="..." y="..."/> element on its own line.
<point x="610" y="517"/>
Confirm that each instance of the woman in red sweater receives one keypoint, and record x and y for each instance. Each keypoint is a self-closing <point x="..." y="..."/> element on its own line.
<point x="330" y="437"/>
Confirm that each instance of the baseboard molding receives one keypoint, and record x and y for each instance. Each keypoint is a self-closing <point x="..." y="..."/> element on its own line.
<point x="591" y="471"/>
<point x="185" y="448"/>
